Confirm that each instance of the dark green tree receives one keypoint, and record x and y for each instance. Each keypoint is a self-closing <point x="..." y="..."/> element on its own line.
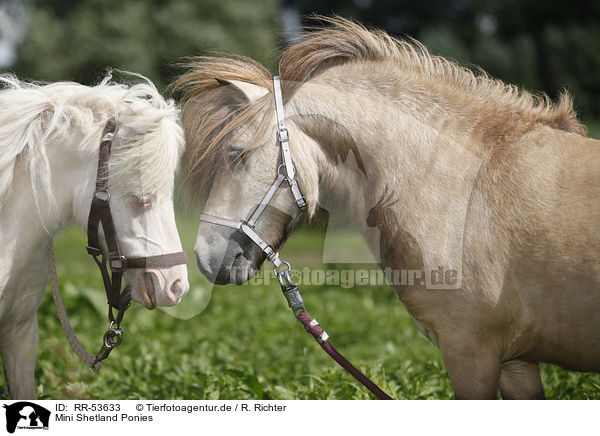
<point x="544" y="46"/>
<point x="77" y="40"/>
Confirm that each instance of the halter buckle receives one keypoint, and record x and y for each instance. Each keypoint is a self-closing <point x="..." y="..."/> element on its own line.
<point x="269" y="252"/>
<point x="118" y="263"/>
<point x="108" y="136"/>
<point x="283" y="134"/>
<point x="102" y="195"/>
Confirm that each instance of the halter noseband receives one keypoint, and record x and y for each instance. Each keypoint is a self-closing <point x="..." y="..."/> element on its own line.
<point x="247" y="226"/>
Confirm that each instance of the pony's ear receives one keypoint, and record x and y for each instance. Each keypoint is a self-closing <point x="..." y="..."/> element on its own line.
<point x="249" y="91"/>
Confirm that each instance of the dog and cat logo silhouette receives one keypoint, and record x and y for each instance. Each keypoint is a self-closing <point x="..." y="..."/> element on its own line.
<point x="26" y="415"/>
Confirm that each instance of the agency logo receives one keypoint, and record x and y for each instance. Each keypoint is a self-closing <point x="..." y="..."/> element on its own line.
<point x="26" y="415"/>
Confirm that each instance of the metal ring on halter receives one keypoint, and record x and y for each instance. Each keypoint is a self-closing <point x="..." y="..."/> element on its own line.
<point x="277" y="270"/>
<point x="279" y="171"/>
<point x="110" y="335"/>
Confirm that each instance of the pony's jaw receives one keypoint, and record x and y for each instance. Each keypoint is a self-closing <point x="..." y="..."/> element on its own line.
<point x="225" y="256"/>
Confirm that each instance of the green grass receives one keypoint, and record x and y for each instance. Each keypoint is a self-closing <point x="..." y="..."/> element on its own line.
<point x="243" y="342"/>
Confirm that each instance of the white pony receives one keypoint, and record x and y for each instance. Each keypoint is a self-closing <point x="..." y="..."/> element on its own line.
<point x="49" y="145"/>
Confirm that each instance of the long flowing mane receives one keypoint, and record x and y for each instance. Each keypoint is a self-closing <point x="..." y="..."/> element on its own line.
<point x="34" y="115"/>
<point x="210" y="115"/>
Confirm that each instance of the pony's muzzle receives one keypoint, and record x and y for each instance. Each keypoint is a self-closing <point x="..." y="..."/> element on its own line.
<point x="175" y="286"/>
<point x="164" y="287"/>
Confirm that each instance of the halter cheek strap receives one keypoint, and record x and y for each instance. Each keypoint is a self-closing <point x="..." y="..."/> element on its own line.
<point x="283" y="137"/>
<point x="100" y="214"/>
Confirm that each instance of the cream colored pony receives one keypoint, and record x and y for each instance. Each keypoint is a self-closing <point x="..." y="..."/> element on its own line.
<point x="457" y="171"/>
<point x="49" y="144"/>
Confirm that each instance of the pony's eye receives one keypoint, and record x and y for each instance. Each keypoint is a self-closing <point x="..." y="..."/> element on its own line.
<point x="235" y="157"/>
<point x="141" y="200"/>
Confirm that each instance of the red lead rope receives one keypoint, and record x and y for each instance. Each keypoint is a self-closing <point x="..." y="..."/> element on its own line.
<point x="314" y="329"/>
<point x="296" y="303"/>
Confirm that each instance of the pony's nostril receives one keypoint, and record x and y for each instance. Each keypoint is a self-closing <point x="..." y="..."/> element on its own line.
<point x="147" y="285"/>
<point x="177" y="289"/>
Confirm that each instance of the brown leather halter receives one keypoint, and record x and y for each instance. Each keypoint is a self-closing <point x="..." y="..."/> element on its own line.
<point x="100" y="214"/>
<point x="118" y="300"/>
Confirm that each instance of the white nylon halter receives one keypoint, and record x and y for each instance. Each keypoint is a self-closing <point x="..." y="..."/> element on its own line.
<point x="247" y="226"/>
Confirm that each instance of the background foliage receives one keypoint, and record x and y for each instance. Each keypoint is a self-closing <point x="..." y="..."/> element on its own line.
<point x="77" y="40"/>
<point x="544" y="46"/>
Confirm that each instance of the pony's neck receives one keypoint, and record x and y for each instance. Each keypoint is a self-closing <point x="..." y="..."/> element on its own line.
<point x="373" y="143"/>
<point x="377" y="152"/>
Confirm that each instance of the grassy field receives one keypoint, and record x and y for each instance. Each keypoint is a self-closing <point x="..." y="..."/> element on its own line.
<point x="243" y="342"/>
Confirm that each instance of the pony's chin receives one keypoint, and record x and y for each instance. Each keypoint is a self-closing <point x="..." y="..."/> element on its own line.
<point x="239" y="261"/>
<point x="234" y="277"/>
<point x="239" y="272"/>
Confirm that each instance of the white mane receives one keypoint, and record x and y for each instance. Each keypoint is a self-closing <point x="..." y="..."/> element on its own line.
<point x="32" y="116"/>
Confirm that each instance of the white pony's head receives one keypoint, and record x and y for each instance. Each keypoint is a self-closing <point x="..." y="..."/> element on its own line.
<point x="56" y="128"/>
